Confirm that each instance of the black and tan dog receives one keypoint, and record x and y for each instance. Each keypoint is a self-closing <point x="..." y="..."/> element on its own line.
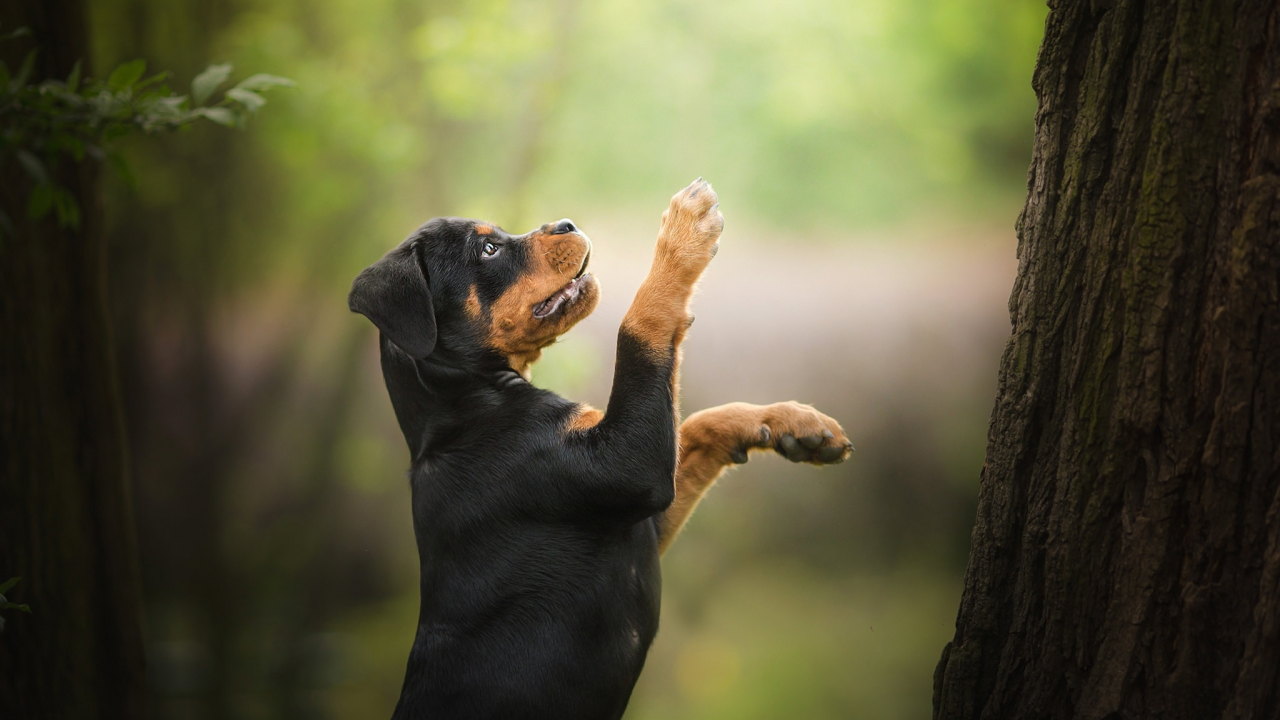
<point x="540" y="521"/>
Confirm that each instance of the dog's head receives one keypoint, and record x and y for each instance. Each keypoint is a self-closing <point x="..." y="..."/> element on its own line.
<point x="466" y="287"/>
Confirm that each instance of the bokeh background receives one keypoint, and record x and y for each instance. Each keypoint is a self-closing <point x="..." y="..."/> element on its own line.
<point x="871" y="159"/>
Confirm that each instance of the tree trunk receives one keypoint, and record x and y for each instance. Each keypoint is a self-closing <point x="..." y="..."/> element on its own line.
<point x="65" y="521"/>
<point x="1126" y="557"/>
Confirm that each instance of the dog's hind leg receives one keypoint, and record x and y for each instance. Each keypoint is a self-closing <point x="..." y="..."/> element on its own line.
<point x="713" y="439"/>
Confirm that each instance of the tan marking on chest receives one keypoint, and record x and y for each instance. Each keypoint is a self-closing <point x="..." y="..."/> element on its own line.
<point x="584" y="417"/>
<point x="523" y="363"/>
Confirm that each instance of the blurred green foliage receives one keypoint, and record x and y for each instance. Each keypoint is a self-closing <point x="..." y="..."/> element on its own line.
<point x="812" y="115"/>
<point x="5" y="587"/>
<point x="280" y="568"/>
<point x="55" y="121"/>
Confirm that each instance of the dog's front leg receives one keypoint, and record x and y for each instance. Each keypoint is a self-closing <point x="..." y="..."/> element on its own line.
<point x="659" y="315"/>
<point x="713" y="439"/>
<point x="636" y="437"/>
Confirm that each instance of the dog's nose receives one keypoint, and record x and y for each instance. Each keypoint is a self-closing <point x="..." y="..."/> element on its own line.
<point x="564" y="226"/>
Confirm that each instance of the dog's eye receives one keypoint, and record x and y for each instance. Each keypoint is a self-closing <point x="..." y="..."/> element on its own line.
<point x="490" y="250"/>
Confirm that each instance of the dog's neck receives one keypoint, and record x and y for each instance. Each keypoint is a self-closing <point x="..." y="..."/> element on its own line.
<point x="434" y="396"/>
<point x="522" y="363"/>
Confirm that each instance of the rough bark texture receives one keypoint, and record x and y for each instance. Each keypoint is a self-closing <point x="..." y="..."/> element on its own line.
<point x="65" y="521"/>
<point x="1126" y="557"/>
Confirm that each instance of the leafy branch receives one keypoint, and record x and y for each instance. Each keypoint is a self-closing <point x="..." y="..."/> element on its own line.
<point x="5" y="587"/>
<point x="48" y="122"/>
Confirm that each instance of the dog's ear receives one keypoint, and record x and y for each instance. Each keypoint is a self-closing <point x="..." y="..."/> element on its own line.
<point x="395" y="295"/>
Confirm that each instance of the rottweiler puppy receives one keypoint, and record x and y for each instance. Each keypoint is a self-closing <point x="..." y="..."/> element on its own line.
<point x="540" y="521"/>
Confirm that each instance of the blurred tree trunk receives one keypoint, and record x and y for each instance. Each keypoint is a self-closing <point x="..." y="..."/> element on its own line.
<point x="65" y="522"/>
<point x="1126" y="557"/>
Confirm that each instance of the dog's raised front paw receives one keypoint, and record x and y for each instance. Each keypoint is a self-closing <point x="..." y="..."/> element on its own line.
<point x="691" y="229"/>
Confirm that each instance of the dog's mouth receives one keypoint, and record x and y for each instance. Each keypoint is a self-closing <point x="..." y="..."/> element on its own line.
<point x="565" y="295"/>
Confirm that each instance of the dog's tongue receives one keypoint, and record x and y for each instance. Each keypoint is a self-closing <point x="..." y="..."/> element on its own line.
<point x="553" y="303"/>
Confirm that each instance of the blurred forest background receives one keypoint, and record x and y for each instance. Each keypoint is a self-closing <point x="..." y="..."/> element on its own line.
<point x="871" y="159"/>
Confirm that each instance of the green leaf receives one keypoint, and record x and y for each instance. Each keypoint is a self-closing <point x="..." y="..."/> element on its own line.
<point x="208" y="81"/>
<point x="40" y="202"/>
<point x="222" y="116"/>
<point x="4" y="77"/>
<point x="68" y="210"/>
<point x="124" y="76"/>
<point x="73" y="80"/>
<point x="171" y="108"/>
<point x="248" y="98"/>
<point x="7" y="585"/>
<point x="24" y="72"/>
<point x="158" y="77"/>
<point x="34" y="167"/>
<point x="15" y="34"/>
<point x="262" y="81"/>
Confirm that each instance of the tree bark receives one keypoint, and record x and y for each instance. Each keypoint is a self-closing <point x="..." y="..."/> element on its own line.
<point x="65" y="522"/>
<point x="1126" y="556"/>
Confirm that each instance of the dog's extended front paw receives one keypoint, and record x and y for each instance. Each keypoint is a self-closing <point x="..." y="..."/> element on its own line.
<point x="800" y="433"/>
<point x="691" y="229"/>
